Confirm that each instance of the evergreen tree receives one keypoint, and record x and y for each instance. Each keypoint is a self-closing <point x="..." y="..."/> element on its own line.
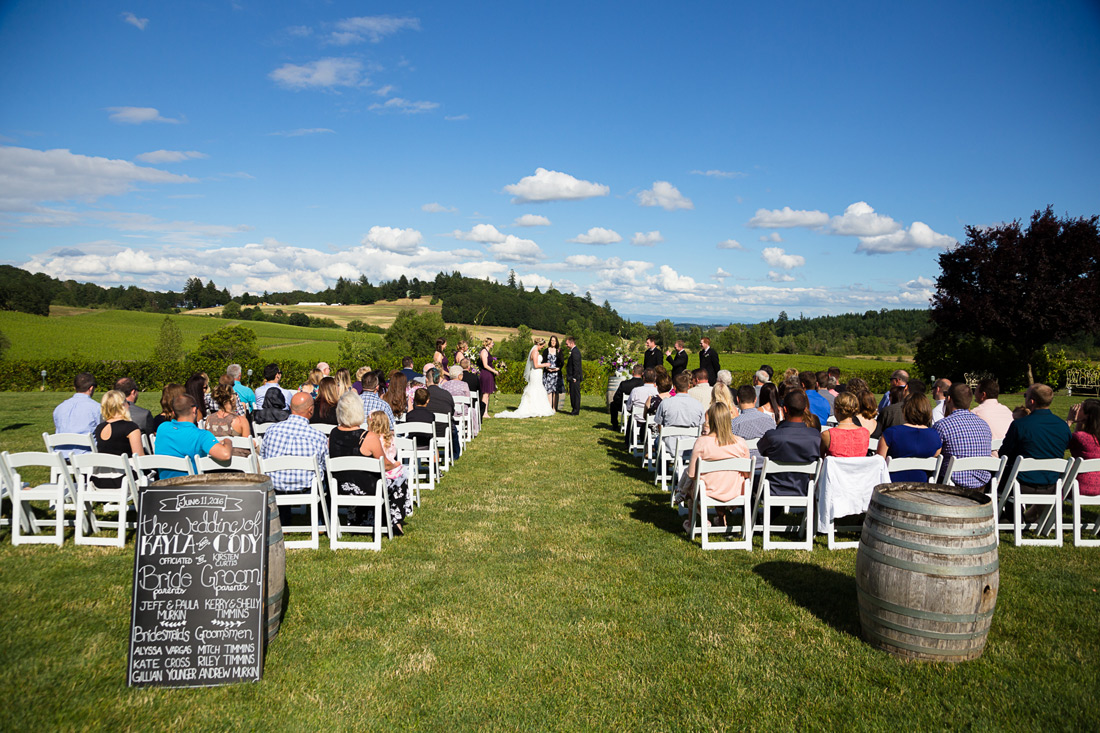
<point x="169" y="346"/>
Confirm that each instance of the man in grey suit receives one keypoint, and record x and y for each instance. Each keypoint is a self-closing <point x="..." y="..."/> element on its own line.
<point x="138" y="414"/>
<point x="574" y="374"/>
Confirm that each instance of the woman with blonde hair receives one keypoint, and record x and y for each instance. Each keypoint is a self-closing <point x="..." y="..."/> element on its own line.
<point x="117" y="435"/>
<point x="717" y="444"/>
<point x="313" y="382"/>
<point x="226" y="422"/>
<point x="401" y="505"/>
<point x="721" y="393"/>
<point x="343" y="380"/>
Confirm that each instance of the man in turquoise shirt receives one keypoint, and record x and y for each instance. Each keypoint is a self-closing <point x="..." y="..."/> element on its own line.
<point x="244" y="394"/>
<point x="182" y="437"/>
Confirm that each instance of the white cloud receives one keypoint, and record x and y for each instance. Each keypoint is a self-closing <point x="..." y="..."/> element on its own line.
<point x="456" y="118"/>
<point x="787" y="217"/>
<point x="647" y="239"/>
<point x="547" y="185"/>
<point x="721" y="274"/>
<point x="583" y="261"/>
<point x="401" y="241"/>
<point x="920" y="283"/>
<point x="372" y="28"/>
<point x="169" y="156"/>
<point x="719" y="174"/>
<point x="730" y="244"/>
<point x="135" y="21"/>
<point x="597" y="235"/>
<point x="485" y="233"/>
<point x="514" y="249"/>
<point x="665" y="195"/>
<point x="531" y="220"/>
<point x="30" y="176"/>
<point x="329" y="72"/>
<point x="404" y="106"/>
<point x="918" y="236"/>
<point x="773" y="237"/>
<point x="776" y="257"/>
<point x="780" y="277"/>
<point x="860" y="220"/>
<point x="138" y="115"/>
<point x="531" y="280"/>
<point x="302" y="131"/>
<point x="385" y="90"/>
<point x="436" y="208"/>
<point x="467" y="253"/>
<point x="671" y="281"/>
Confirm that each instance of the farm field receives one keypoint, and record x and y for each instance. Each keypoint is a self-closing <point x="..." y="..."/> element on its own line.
<point x="536" y="592"/>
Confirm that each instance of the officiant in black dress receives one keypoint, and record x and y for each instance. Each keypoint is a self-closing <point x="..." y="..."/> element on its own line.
<point x="574" y="375"/>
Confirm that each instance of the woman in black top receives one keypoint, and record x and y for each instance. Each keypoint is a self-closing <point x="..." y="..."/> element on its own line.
<point x="116" y="435"/>
<point x="324" y="407"/>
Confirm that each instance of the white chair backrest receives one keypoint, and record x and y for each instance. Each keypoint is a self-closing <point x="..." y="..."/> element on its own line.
<point x="995" y="466"/>
<point x="40" y="459"/>
<point x="322" y="427"/>
<point x="352" y="463"/>
<point x="771" y="467"/>
<point x="744" y="465"/>
<point x="1090" y="465"/>
<point x="289" y="463"/>
<point x="996" y="444"/>
<point x="931" y="464"/>
<point x="235" y="464"/>
<point x="240" y="441"/>
<point x="158" y="462"/>
<point x="261" y="427"/>
<point x="414" y="428"/>
<point x="66" y="441"/>
<point x="872" y="444"/>
<point x="752" y="443"/>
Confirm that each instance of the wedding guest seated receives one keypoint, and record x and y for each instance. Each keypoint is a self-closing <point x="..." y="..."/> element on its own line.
<point x="1040" y="434"/>
<point x="469" y="376"/>
<point x="245" y="395"/>
<point x="721" y="393"/>
<point x="421" y="413"/>
<point x="357" y="385"/>
<point x="895" y="413"/>
<point x="227" y="422"/>
<point x="868" y="411"/>
<point x="442" y="402"/>
<point x="343" y="380"/>
<point x="639" y="395"/>
<point x="718" y="443"/>
<point x="725" y="376"/>
<point x="379" y="443"/>
<point x="324" y="407"/>
<point x="117" y="435"/>
<point x="349" y="439"/>
<point x="372" y="400"/>
<point x="792" y="441"/>
<point x="899" y="378"/>
<point x="664" y="391"/>
<point x="312" y="383"/>
<point x="80" y="413"/>
<point x="939" y="396"/>
<point x="680" y="410"/>
<point x="183" y="437"/>
<point x="701" y="389"/>
<point x="964" y="435"/>
<point x="996" y="415"/>
<point x="824" y="389"/>
<point x="453" y="383"/>
<point x="912" y="439"/>
<point x="768" y="401"/>
<point x="759" y="379"/>
<point x="847" y="439"/>
<point x="751" y="424"/>
<point x="819" y="406"/>
<point x="1085" y="442"/>
<point x="407" y="367"/>
<point x="168" y="395"/>
<point x="857" y="384"/>
<point x="397" y="393"/>
<point x="622" y="391"/>
<point x="273" y="376"/>
<point x="294" y="437"/>
<point x="138" y="414"/>
<point x="274" y="408"/>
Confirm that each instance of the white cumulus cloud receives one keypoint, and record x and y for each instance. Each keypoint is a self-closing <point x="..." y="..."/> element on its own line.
<point x="372" y="28"/>
<point x="730" y="244"/>
<point x="135" y="21"/>
<point x="169" y="156"/>
<point x="647" y="239"/>
<point x="531" y="220"/>
<point x="920" y="283"/>
<point x="402" y="241"/>
<point x="583" y="261"/>
<point x="787" y="217"/>
<point x="780" y="277"/>
<point x="597" y="235"/>
<point x="138" y="115"/>
<point x="403" y="106"/>
<point x="777" y="257"/>
<point x="436" y="208"/>
<point x="329" y="72"/>
<point x="547" y="185"/>
<point x="485" y="233"/>
<point x="665" y="195"/>
<point x="860" y="220"/>
<point x="721" y="274"/>
<point x="515" y="249"/>
<point x="918" y="236"/>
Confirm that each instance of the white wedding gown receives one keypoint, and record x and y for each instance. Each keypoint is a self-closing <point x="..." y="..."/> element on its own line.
<point x="534" y="402"/>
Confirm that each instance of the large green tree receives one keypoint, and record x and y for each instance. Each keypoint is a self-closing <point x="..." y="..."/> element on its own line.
<point x="1010" y="290"/>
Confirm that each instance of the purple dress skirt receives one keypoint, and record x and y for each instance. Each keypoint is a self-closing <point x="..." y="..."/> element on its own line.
<point x="487" y="378"/>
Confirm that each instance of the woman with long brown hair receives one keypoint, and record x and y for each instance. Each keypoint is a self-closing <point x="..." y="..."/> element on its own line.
<point x="396" y="395"/>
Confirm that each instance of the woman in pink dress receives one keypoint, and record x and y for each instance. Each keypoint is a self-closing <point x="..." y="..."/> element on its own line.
<point x="1085" y="442"/>
<point x="718" y="444"/>
<point x="846" y="440"/>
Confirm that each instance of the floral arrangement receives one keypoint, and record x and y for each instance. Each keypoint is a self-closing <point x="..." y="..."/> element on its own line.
<point x="620" y="364"/>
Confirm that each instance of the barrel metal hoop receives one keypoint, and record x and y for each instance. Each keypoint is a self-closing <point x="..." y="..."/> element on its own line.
<point x="939" y="635"/>
<point x="944" y="570"/>
<point x="980" y="511"/>
<point x="915" y="648"/>
<point x="933" y="530"/>
<point x="931" y="549"/>
<point x="956" y="618"/>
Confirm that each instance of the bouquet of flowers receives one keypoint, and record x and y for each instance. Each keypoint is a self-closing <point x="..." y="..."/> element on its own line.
<point x="621" y="364"/>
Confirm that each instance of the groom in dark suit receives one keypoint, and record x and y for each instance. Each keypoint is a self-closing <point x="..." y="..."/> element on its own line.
<point x="653" y="357"/>
<point x="678" y="359"/>
<point x="708" y="359"/>
<point x="574" y="375"/>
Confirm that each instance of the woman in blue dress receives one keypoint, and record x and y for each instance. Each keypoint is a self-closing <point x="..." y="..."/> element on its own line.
<point x="914" y="439"/>
<point x="551" y="376"/>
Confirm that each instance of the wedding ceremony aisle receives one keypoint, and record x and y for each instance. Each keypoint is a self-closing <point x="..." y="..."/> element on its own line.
<point x="547" y="584"/>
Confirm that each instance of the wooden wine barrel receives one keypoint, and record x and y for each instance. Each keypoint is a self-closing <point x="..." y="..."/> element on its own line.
<point x="613" y="383"/>
<point x="927" y="571"/>
<point x="276" y="548"/>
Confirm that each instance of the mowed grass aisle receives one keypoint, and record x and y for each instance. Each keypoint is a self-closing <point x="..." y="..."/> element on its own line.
<point x="546" y="584"/>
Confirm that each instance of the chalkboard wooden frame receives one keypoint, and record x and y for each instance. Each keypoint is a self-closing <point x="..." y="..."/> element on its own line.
<point x="198" y="616"/>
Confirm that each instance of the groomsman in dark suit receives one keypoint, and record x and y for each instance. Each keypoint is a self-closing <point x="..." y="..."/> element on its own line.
<point x="574" y="375"/>
<point x="678" y="359"/>
<point x="653" y="357"/>
<point x="708" y="359"/>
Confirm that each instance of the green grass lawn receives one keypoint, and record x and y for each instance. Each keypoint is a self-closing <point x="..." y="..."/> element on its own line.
<point x="546" y="584"/>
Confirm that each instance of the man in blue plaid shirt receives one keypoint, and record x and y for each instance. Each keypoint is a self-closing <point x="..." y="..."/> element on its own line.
<point x="964" y="435"/>
<point x="294" y="437"/>
<point x="372" y="402"/>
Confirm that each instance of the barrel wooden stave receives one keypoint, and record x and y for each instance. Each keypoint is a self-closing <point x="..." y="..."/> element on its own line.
<point x="613" y="383"/>
<point x="927" y="571"/>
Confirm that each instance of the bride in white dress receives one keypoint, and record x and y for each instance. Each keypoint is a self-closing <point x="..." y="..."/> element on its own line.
<point x="535" y="402"/>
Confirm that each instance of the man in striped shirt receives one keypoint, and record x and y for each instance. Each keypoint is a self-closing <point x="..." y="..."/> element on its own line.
<point x="964" y="435"/>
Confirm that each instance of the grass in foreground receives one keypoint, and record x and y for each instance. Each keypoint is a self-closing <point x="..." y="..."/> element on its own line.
<point x="546" y="584"/>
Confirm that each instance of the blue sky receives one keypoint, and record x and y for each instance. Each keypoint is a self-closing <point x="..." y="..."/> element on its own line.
<point x="708" y="161"/>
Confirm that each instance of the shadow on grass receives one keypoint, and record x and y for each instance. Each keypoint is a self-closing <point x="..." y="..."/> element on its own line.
<point x="827" y="594"/>
<point x="15" y="426"/>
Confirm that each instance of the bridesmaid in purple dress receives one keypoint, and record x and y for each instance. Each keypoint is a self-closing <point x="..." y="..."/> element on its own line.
<point x="487" y="374"/>
<point x="460" y="352"/>
<point x="439" y="358"/>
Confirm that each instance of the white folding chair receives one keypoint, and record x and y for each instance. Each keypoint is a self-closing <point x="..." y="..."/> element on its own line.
<point x="666" y="458"/>
<point x="995" y="445"/>
<point x="1066" y="470"/>
<point x="147" y="443"/>
<point x="931" y="464"/>
<point x="844" y="488"/>
<point x="64" y="443"/>
<point x="703" y="504"/>
<point x="463" y="408"/>
<point x="247" y="443"/>
<point x="88" y="466"/>
<point x="872" y="445"/>
<point x="148" y="466"/>
<point x="378" y="501"/>
<point x="426" y="459"/>
<point x="768" y="502"/>
<point x="636" y="433"/>
<point x="57" y="492"/>
<point x="649" y="455"/>
<point x="406" y="456"/>
<point x="258" y="429"/>
<point x="624" y="416"/>
<point x="321" y="427"/>
<point x="1079" y="500"/>
<point x="311" y="499"/>
<point x="235" y="464"/>
<point x="995" y="467"/>
<point x="443" y="442"/>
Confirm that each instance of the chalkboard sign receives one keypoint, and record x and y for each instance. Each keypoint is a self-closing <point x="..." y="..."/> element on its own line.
<point x="199" y="587"/>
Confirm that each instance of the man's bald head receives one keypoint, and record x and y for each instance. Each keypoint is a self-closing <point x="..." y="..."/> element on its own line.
<point x="301" y="404"/>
